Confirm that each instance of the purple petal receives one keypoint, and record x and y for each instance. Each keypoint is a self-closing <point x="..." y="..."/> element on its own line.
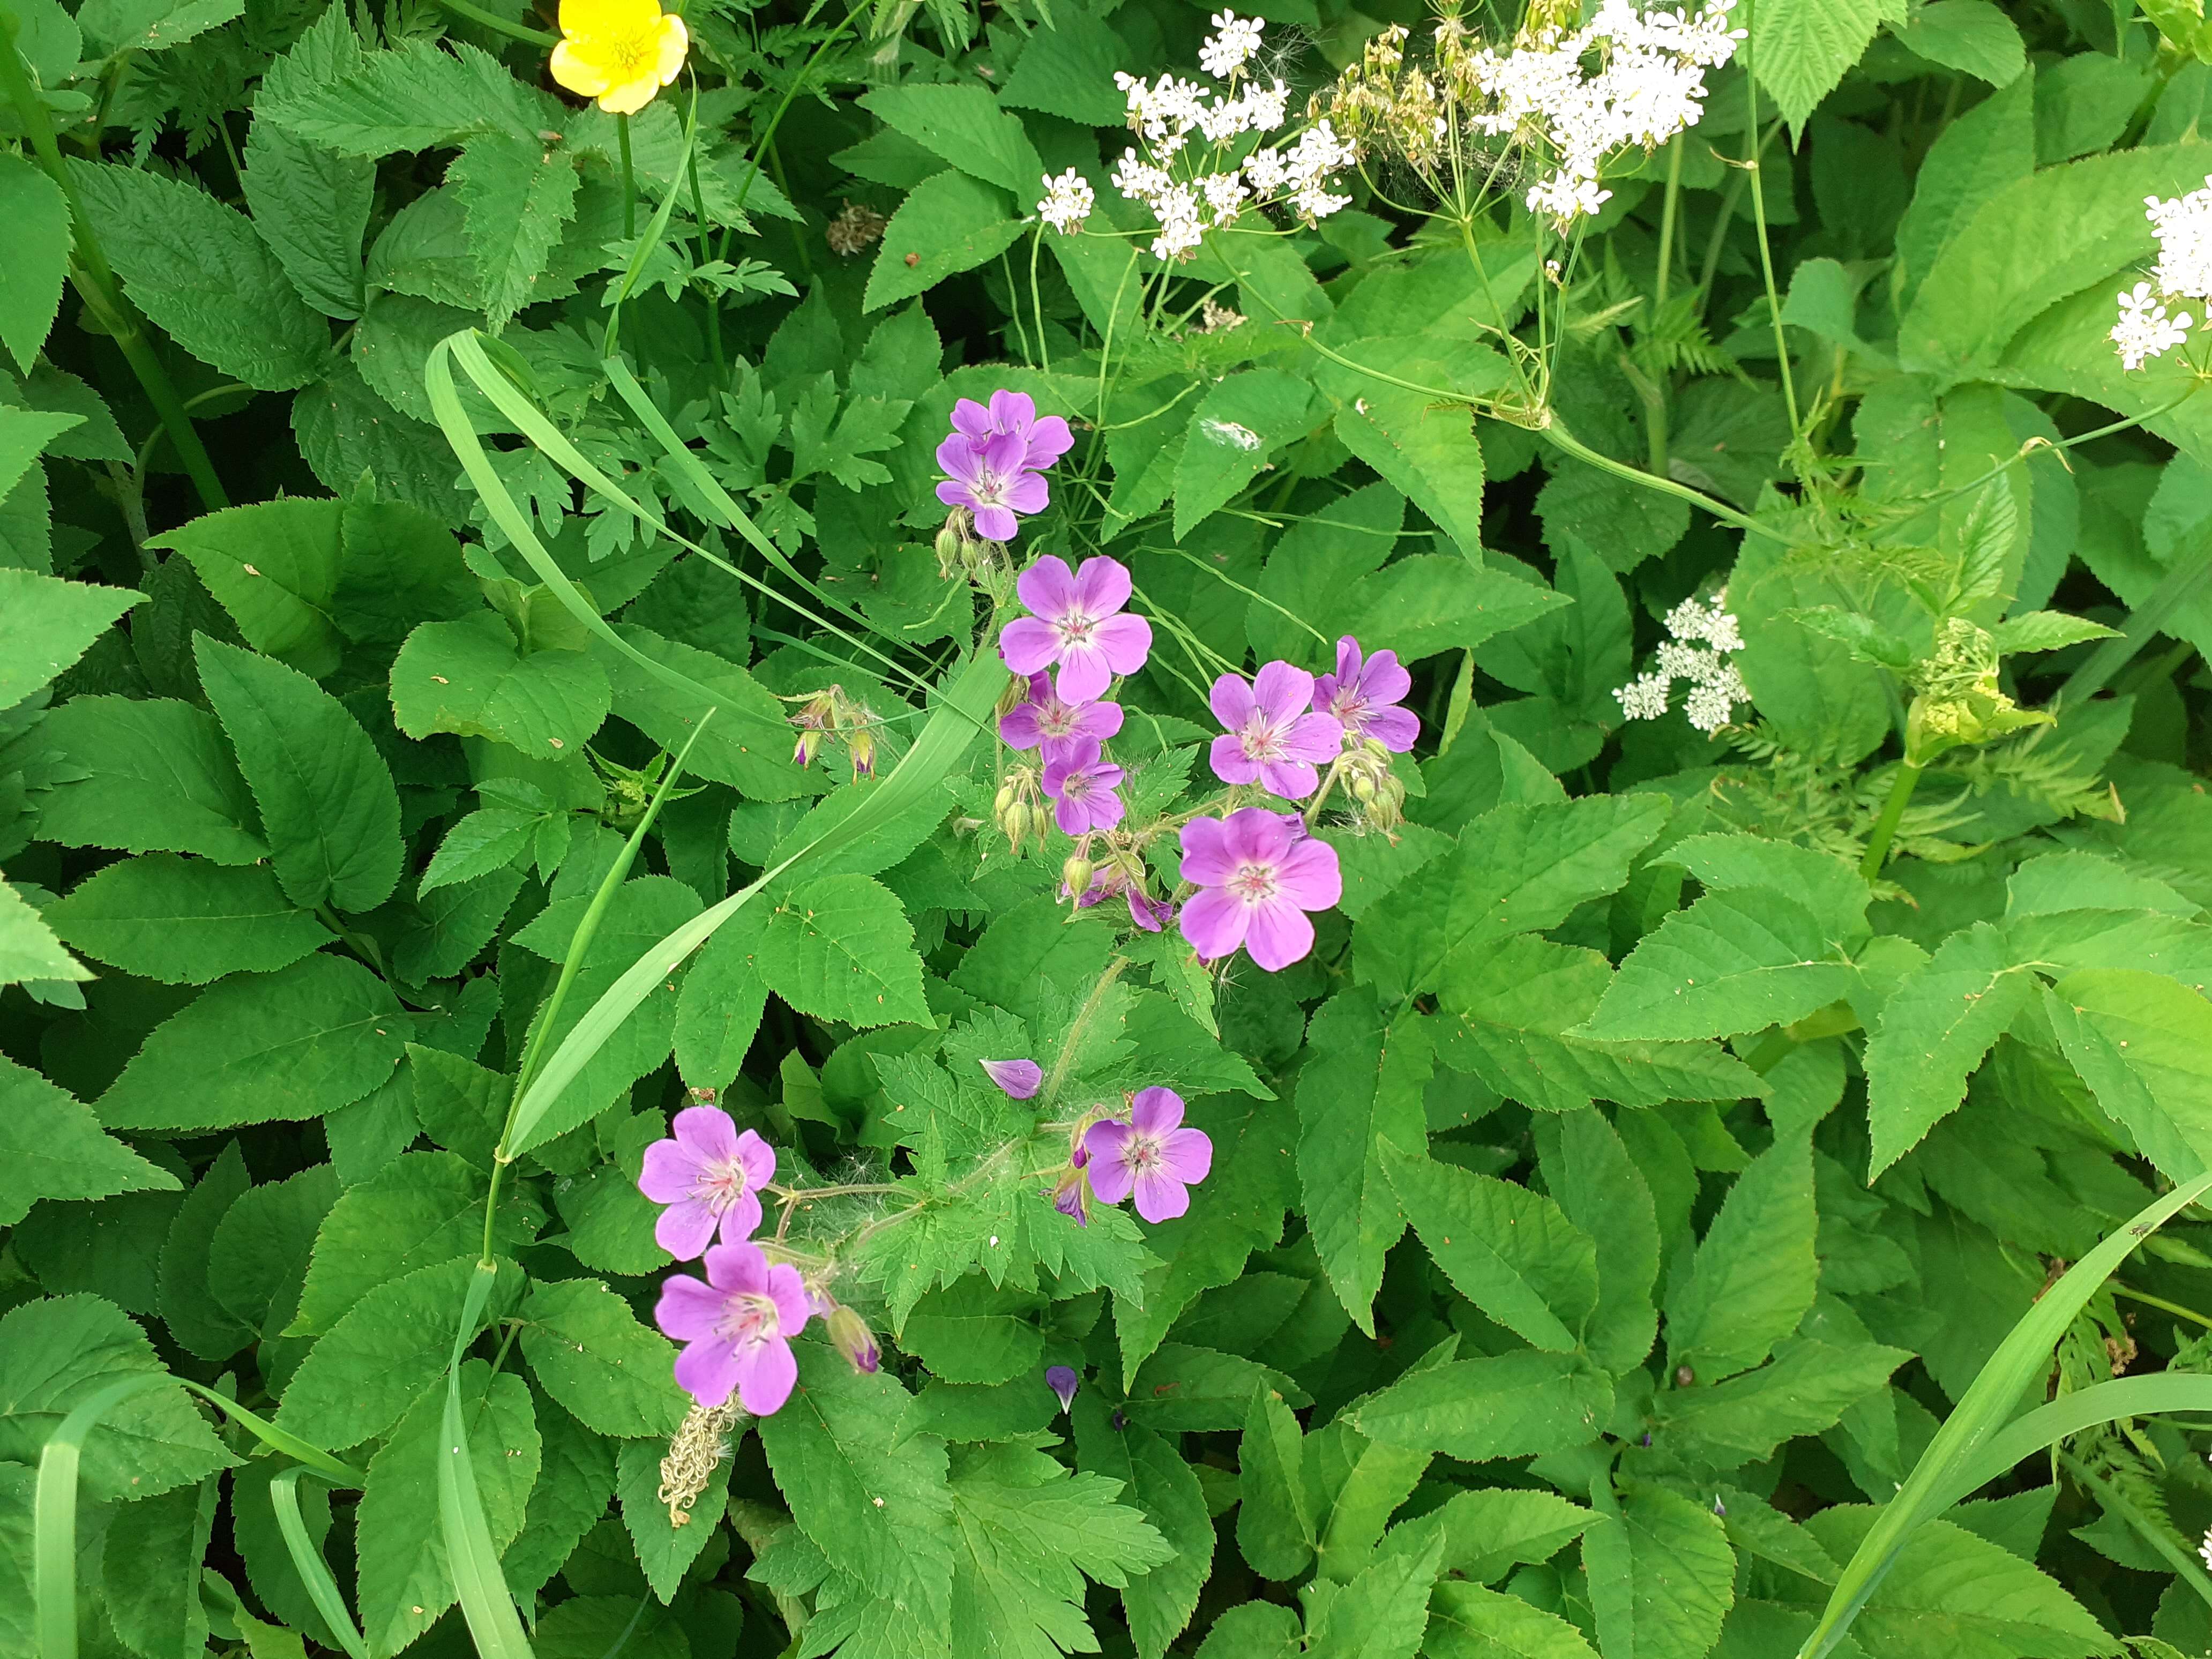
<point x="1106" y="808"/>
<point x="1348" y="660"/>
<point x="1097" y="722"/>
<point x="1291" y="779"/>
<point x="1206" y="860"/>
<point x="1230" y="699"/>
<point x="1278" y="934"/>
<point x="742" y="1219"/>
<point x="1049" y="440"/>
<point x="1310" y="875"/>
<point x="1324" y="691"/>
<point x="995" y="524"/>
<point x="758" y="1158"/>
<point x="1155" y="1111"/>
<point x="1214" y="922"/>
<point x="971" y="420"/>
<point x="1028" y="493"/>
<point x="1147" y="912"/>
<point x="1126" y="640"/>
<point x="954" y="493"/>
<point x="708" y="1370"/>
<point x="1160" y="1196"/>
<point x="1396" y="729"/>
<point x="1020" y="1078"/>
<point x="1384" y="680"/>
<point x="1002" y="454"/>
<point x="958" y="458"/>
<point x="1012" y="411"/>
<point x="1109" y="1169"/>
<point x="1047" y="588"/>
<point x="1188" y="1155"/>
<point x="709" y="1130"/>
<point x="1314" y="738"/>
<point x="1102" y="586"/>
<point x="1253" y="834"/>
<point x="671" y="1171"/>
<point x="687" y="1309"/>
<point x="737" y="1268"/>
<point x="1063" y="1381"/>
<point x="788" y="1292"/>
<point x="1017" y="726"/>
<point x="1084" y="673"/>
<point x="1026" y="645"/>
<point x="685" y="1229"/>
<point x="1282" y="689"/>
<point x="766" y="1373"/>
<point x="1072" y="816"/>
<point x="1230" y="762"/>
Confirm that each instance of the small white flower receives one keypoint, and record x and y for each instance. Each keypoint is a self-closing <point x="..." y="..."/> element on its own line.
<point x="2184" y="226"/>
<point x="1225" y="193"/>
<point x="1068" y="201"/>
<point x="2144" y="331"/>
<point x="1233" y="44"/>
<point x="2204" y="1549"/>
<point x="1643" y="698"/>
<point x="1707" y="707"/>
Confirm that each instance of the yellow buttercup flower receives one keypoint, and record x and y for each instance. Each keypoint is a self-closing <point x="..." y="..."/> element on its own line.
<point x="619" y="52"/>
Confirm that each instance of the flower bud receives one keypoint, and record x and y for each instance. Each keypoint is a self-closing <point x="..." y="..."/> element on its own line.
<point x="850" y="1335"/>
<point x="1363" y="787"/>
<point x="1004" y="799"/>
<point x="1071" y="1197"/>
<point x="1076" y="873"/>
<point x="862" y="744"/>
<point x="1015" y="821"/>
<point x="951" y="544"/>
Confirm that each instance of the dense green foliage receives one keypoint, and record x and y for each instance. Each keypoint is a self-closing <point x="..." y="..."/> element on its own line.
<point x="428" y="504"/>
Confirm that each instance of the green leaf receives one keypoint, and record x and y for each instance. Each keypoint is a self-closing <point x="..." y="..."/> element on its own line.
<point x="198" y="269"/>
<point x="948" y="224"/>
<point x="1808" y="1388"/>
<point x="150" y="25"/>
<point x="1683" y="1579"/>
<point x="588" y="1352"/>
<point x="1241" y="422"/>
<point x="156" y="1605"/>
<point x="718" y="1011"/>
<point x="1518" y="868"/>
<point x="972" y="1332"/>
<point x="1361" y="1087"/>
<point x="1733" y="962"/>
<point x="1799" y="49"/>
<point x="275" y="566"/>
<point x="1942" y="1019"/>
<point x="1155" y="1481"/>
<point x="1466" y="1621"/>
<point x="965" y="125"/>
<point x="1274" y="1521"/>
<point x="400" y="566"/>
<point x="1510" y="1251"/>
<point x="259" y="1047"/>
<point x="1382" y="1613"/>
<point x="840" y="947"/>
<point x="311" y="205"/>
<point x="466" y="677"/>
<point x="749" y="745"/>
<point x="414" y="98"/>
<point x="1508" y="1405"/>
<point x="384" y="1354"/>
<point x="156" y="777"/>
<point x="1970" y="35"/>
<point x="55" y="1353"/>
<point x="419" y="1211"/>
<point x="37" y="258"/>
<point x="1953" y="1591"/>
<point x="1429" y="603"/>
<point x="28" y="949"/>
<point x="183" y="922"/>
<point x="1491" y="1530"/>
<point x="666" y="1551"/>
<point x="1824" y="884"/>
<point x="879" y="1509"/>
<point x="1590" y="1175"/>
<point x="576" y="1478"/>
<point x="405" y="1578"/>
<point x="518" y="192"/>
<point x="45" y="625"/>
<point x="53" y="1147"/>
<point x="1431" y="454"/>
<point x="1973" y="158"/>
<point x="2143" y="1044"/>
<point x="327" y="798"/>
<point x="2046" y="631"/>
<point x="1755" y="1272"/>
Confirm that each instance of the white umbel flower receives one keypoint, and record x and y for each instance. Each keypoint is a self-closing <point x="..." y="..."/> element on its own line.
<point x="1068" y="201"/>
<point x="1703" y="635"/>
<point x="1235" y="42"/>
<point x="2144" y="331"/>
<point x="1645" y="697"/>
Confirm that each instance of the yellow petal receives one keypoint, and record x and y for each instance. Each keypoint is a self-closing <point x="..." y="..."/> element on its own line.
<point x="630" y="97"/>
<point x="674" y="41"/>
<point x="583" y="19"/>
<point x="577" y="72"/>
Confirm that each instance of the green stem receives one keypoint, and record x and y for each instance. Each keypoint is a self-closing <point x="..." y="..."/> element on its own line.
<point x="498" y="25"/>
<point x="1892" y="809"/>
<point x="95" y="281"/>
<point x="1082" y="1018"/>
<point x="1558" y="432"/>
<point x="714" y="298"/>
<point x="2176" y="588"/>
<point x="1667" y="212"/>
<point x="2162" y="1305"/>
<point x="2158" y="1538"/>
<point x="768" y="137"/>
<point x="630" y="181"/>
<point x="1766" y="253"/>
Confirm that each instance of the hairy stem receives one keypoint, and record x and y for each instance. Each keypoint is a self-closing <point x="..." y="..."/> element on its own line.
<point x="1558" y="432"/>
<point x="1082" y="1018"/>
<point x="1893" y="810"/>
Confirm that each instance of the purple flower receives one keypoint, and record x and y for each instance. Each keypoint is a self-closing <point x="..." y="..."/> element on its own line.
<point x="1063" y="1381"/>
<point x="850" y="1335"/>
<point x="1151" y="1154"/>
<point x="1363" y="698"/>
<point x="1046" y="440"/>
<point x="1044" y="718"/>
<point x="1082" y="788"/>
<point x="1071" y="1196"/>
<point x="1072" y="621"/>
<point x="709" y="1176"/>
<point x="1272" y="738"/>
<point x="990" y="480"/>
<point x="1020" y="1078"/>
<point x="1260" y="875"/>
<point x="735" y="1328"/>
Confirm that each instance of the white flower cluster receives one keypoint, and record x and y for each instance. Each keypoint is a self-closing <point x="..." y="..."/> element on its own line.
<point x="2184" y="271"/>
<point x="1703" y="639"/>
<point x="1165" y="112"/>
<point x="1650" y="84"/>
<point x="1067" y="202"/>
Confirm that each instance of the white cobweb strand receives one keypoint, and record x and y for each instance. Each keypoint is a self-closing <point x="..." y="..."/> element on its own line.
<point x="1704" y="638"/>
<point x="2146" y="328"/>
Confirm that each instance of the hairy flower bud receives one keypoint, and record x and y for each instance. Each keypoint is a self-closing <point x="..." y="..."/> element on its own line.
<point x="1076" y="875"/>
<point x="850" y="1335"/>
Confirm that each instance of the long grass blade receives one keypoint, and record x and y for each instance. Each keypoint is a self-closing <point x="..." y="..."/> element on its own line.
<point x="53" y="1516"/>
<point x="2069" y="1414"/>
<point x="1982" y="1412"/>
<point x="335" y="1470"/>
<point x="307" y="1561"/>
<point x="487" y="1604"/>
<point x="969" y="700"/>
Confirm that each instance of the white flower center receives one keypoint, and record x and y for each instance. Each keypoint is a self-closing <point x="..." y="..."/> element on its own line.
<point x="1253" y="883"/>
<point x="1143" y="1152"/>
<point x="1076" y="627"/>
<point x="1262" y="739"/>
<point x="721" y="1183"/>
<point x="749" y="1319"/>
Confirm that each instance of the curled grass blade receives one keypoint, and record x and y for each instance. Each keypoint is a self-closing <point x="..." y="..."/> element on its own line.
<point x="53" y="1516"/>
<point x="2069" y="1414"/>
<point x="313" y="1571"/>
<point x="1983" y="1412"/>
<point x="487" y="1604"/>
<point x="335" y="1470"/>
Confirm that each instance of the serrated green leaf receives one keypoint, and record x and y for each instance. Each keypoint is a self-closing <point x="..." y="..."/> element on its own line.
<point x="965" y="125"/>
<point x="1237" y="425"/>
<point x="1274" y="1522"/>
<point x="1466" y="1621"/>
<point x="185" y="922"/>
<point x="1807" y="1387"/>
<point x="1800" y="49"/>
<point x="151" y="25"/>
<point x="2143" y="1044"/>
<point x="51" y="1146"/>
<point x="415" y="97"/>
<point x="38" y="256"/>
<point x="45" y="625"/>
<point x="518" y="192"/>
<point x="1683" y="1573"/>
<point x="1156" y="1482"/>
<point x="948" y="224"/>
<point x="589" y="1352"/>
<point x="666" y="1551"/>
<point x="275" y="568"/>
<point x="1502" y="1406"/>
<point x="325" y="795"/>
<point x="840" y="947"/>
<point x="1733" y="962"/>
<point x="1936" y="1027"/>
<point x="1590" y="1175"/>
<point x="156" y="776"/>
<point x="466" y="677"/>
<point x="420" y="1210"/>
<point x="1754" y="1274"/>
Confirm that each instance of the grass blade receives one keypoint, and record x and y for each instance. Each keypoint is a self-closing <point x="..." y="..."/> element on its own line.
<point x="53" y="1550"/>
<point x="487" y="1604"/>
<point x="2069" y="1414"/>
<point x="313" y="1571"/>
<point x="335" y="1470"/>
<point x="1982" y="1412"/>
